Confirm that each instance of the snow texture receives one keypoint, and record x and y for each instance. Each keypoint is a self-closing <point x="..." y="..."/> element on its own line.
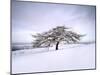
<point x="68" y="57"/>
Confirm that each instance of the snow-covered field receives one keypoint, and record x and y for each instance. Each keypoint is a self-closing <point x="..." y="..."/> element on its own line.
<point x="68" y="57"/>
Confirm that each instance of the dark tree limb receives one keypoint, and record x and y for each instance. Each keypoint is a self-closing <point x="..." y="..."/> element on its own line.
<point x="57" y="45"/>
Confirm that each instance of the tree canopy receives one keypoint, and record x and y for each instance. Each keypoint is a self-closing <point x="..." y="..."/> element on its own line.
<point x="56" y="36"/>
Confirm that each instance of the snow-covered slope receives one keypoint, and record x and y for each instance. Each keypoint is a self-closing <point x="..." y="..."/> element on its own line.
<point x="71" y="57"/>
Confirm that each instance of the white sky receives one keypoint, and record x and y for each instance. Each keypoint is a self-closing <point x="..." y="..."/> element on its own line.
<point x="30" y="18"/>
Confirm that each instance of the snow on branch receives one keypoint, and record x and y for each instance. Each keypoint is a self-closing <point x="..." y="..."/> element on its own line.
<point x="55" y="36"/>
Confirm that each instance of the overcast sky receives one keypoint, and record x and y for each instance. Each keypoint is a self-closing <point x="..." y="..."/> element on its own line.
<point x="30" y="18"/>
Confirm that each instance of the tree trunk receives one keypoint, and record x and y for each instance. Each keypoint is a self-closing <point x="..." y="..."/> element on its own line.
<point x="57" y="45"/>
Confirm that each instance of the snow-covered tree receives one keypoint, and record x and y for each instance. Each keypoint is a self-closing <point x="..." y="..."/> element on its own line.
<point x="56" y="36"/>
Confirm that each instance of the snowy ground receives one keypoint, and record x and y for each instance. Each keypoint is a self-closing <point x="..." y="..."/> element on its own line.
<point x="68" y="57"/>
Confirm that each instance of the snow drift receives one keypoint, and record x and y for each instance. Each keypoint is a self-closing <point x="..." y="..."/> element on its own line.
<point x="68" y="57"/>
